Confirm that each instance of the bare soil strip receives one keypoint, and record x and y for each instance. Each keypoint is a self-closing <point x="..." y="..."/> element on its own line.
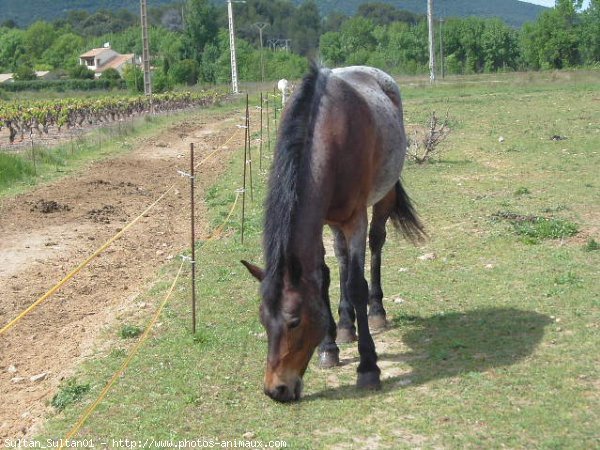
<point x="46" y="232"/>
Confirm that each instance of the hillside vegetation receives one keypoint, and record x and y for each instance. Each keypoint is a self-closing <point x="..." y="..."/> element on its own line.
<point x="516" y="13"/>
<point x="189" y="43"/>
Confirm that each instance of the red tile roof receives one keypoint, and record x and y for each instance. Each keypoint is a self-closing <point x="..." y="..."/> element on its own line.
<point x="117" y="61"/>
<point x="93" y="52"/>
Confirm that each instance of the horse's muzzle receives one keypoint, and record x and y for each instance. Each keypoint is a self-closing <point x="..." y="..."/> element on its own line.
<point x="284" y="393"/>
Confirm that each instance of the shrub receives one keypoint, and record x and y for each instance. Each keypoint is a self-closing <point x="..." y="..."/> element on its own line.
<point x="110" y="74"/>
<point x="185" y="71"/>
<point x="24" y="73"/>
<point x="134" y="78"/>
<point x="161" y="82"/>
<point x="80" y="72"/>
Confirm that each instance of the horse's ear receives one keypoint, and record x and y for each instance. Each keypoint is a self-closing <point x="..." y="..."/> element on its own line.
<point x="255" y="271"/>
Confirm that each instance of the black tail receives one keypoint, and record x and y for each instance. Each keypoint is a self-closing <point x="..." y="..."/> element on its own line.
<point x="405" y="218"/>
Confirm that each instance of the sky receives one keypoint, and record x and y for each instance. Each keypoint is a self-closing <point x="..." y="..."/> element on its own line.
<point x="551" y="2"/>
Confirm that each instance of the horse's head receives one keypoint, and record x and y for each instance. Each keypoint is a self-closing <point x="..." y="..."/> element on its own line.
<point x="295" y="321"/>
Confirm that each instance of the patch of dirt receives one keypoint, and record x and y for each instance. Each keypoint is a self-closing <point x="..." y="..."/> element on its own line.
<point x="49" y="206"/>
<point x="514" y="217"/>
<point x="43" y="240"/>
<point x="104" y="214"/>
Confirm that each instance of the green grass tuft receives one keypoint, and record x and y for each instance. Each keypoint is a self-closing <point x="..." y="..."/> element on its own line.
<point x="70" y="393"/>
<point x="591" y="245"/>
<point x="130" y="331"/>
<point x="543" y="228"/>
<point x="522" y="191"/>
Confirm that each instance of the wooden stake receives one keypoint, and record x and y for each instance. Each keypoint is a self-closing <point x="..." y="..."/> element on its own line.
<point x="275" y="109"/>
<point x="249" y="162"/>
<point x="193" y="230"/>
<point x="261" y="134"/>
<point x="244" y="185"/>
<point x="268" y="129"/>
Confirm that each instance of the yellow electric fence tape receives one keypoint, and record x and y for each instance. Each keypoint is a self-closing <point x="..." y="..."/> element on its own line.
<point x="125" y="364"/>
<point x="77" y="269"/>
<point x="88" y="412"/>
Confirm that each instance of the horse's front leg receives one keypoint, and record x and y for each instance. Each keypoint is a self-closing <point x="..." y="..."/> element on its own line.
<point x="346" y="331"/>
<point x="358" y="291"/>
<point x="329" y="353"/>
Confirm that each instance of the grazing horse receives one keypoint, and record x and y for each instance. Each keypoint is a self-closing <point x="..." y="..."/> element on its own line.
<point x="340" y="149"/>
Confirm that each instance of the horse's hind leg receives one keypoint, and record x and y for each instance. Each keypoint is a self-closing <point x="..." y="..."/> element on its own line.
<point x="377" y="235"/>
<point x="346" y="331"/>
<point x="329" y="353"/>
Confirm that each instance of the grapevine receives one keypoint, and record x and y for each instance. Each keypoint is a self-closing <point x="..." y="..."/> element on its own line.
<point x="22" y="118"/>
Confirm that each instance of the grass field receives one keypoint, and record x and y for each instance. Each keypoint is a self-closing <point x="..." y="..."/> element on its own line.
<point x="493" y="339"/>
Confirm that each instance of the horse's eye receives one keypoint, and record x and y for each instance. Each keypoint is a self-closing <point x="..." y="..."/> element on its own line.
<point x="293" y="323"/>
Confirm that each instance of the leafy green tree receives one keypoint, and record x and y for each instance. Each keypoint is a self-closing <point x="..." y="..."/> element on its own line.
<point x="306" y="28"/>
<point x="334" y="21"/>
<point x="209" y="68"/>
<point x="407" y="49"/>
<point x="12" y="47"/>
<point x="330" y="46"/>
<point x="201" y="27"/>
<point x="161" y="82"/>
<point x="64" y="50"/>
<point x="284" y="65"/>
<point x="590" y="34"/>
<point x="134" y="78"/>
<point x="384" y="13"/>
<point x="25" y="72"/>
<point x="357" y="36"/>
<point x="185" y="72"/>
<point x="39" y="37"/>
<point x="499" y="44"/>
<point x="552" y="42"/>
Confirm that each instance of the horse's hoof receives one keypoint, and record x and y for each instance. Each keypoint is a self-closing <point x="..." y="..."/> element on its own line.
<point x="377" y="322"/>
<point x="327" y="360"/>
<point x="368" y="380"/>
<point x="345" y="335"/>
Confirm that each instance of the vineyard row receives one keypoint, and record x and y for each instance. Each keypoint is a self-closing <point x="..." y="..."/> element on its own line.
<point x="39" y="116"/>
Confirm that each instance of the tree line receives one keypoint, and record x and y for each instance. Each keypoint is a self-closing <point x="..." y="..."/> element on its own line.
<point x="190" y="43"/>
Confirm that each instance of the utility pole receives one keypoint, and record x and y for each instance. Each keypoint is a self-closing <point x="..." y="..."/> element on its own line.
<point x="234" y="77"/>
<point x="145" y="49"/>
<point x="441" y="48"/>
<point x="431" y="43"/>
<point x="261" y="26"/>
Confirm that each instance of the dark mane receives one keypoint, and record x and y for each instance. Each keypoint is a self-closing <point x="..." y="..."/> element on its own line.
<point x="289" y="170"/>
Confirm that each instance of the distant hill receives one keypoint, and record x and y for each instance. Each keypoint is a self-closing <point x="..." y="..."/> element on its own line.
<point x="514" y="12"/>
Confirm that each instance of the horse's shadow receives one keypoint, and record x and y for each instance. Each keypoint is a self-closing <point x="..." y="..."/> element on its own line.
<point x="447" y="345"/>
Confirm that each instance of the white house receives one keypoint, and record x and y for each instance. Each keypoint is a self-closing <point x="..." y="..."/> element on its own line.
<point x="100" y="59"/>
